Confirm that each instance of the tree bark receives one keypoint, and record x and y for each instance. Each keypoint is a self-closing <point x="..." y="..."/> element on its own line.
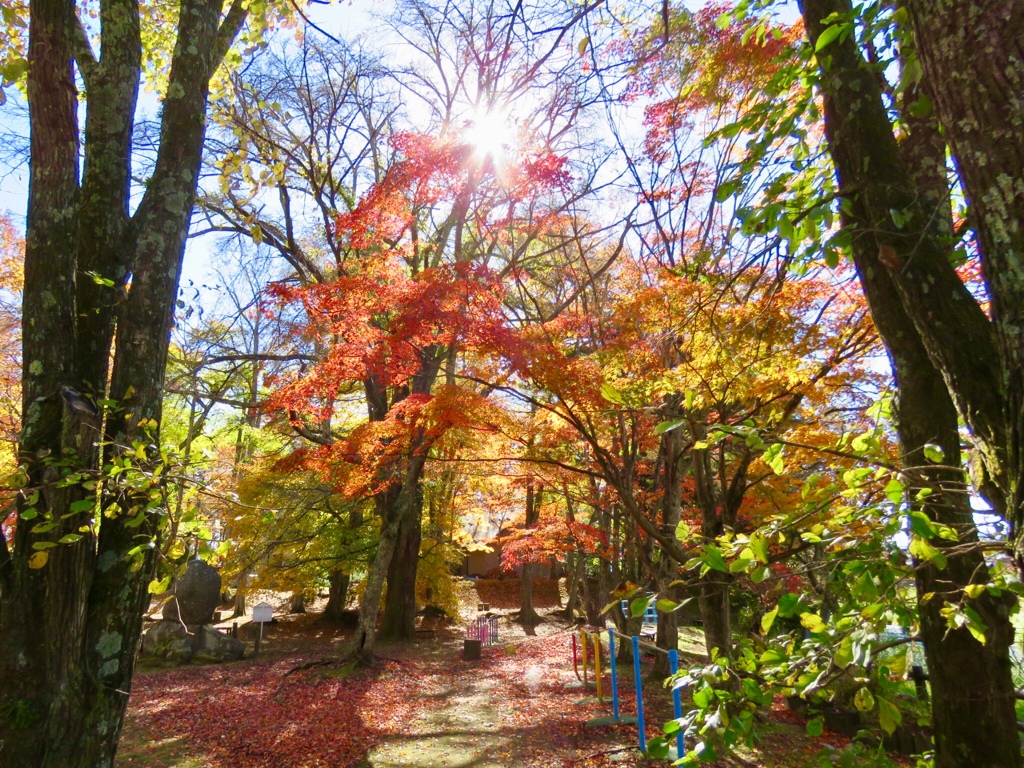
<point x="528" y="615"/>
<point x="337" y="598"/>
<point x="399" y="622"/>
<point x="71" y="627"/>
<point x="972" y="54"/>
<point x="673" y="460"/>
<point x="407" y="502"/>
<point x="971" y="682"/>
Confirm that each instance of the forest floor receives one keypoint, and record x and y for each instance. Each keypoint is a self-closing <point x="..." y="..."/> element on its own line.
<point x="423" y="706"/>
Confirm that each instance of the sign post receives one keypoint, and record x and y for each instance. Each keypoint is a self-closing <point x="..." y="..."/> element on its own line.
<point x="261" y="614"/>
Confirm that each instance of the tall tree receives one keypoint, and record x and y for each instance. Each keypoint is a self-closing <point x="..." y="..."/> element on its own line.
<point x="945" y="351"/>
<point x="75" y="581"/>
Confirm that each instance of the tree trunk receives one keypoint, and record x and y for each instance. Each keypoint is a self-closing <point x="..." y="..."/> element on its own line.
<point x="673" y="464"/>
<point x="528" y="616"/>
<point x="714" y="612"/>
<point x="297" y="604"/>
<point x="972" y="54"/>
<point x="971" y="682"/>
<point x="337" y="598"/>
<point x="71" y="624"/>
<point x="573" y="569"/>
<point x="399" y="622"/>
<point x="592" y="601"/>
<point x="407" y="503"/>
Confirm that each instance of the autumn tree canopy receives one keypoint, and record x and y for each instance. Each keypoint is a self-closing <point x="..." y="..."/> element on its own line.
<point x="612" y="284"/>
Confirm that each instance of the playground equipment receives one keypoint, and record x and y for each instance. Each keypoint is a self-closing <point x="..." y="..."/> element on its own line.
<point x="649" y="625"/>
<point x="484" y="629"/>
<point x="616" y="717"/>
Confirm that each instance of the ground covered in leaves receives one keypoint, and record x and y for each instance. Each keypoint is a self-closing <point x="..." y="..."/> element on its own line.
<point x="423" y="705"/>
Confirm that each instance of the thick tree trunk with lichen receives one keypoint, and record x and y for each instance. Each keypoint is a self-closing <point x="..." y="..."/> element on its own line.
<point x="71" y="621"/>
<point x="402" y="503"/>
<point x="931" y="327"/>
<point x="972" y="54"/>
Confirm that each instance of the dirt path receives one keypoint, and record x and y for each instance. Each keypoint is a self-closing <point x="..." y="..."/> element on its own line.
<point x="464" y="731"/>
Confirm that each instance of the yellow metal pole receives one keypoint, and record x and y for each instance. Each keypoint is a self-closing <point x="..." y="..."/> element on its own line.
<point x="597" y="663"/>
<point x="583" y="642"/>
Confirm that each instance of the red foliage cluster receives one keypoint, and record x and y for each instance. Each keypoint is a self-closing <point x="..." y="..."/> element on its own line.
<point x="705" y="67"/>
<point x="553" y="537"/>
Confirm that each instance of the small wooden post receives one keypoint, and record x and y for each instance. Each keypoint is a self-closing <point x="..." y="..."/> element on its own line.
<point x="583" y="646"/>
<point x="471" y="649"/>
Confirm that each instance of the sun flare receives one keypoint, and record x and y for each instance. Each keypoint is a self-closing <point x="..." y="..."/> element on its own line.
<point x="491" y="134"/>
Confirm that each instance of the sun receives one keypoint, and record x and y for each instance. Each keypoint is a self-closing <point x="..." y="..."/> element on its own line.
<point x="491" y="133"/>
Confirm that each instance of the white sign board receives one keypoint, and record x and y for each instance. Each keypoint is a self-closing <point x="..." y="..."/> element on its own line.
<point x="262" y="612"/>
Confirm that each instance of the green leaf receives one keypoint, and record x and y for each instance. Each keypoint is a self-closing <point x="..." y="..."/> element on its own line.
<point x="922" y="550"/>
<point x="759" y="546"/>
<point x="864" y="700"/>
<point x="872" y="610"/>
<point x="922" y="107"/>
<point x="815" y="726"/>
<point x="934" y="453"/>
<point x="657" y="748"/>
<point x="639" y="605"/>
<point x="773" y="458"/>
<point x="683" y="531"/>
<point x="177" y="550"/>
<point x="768" y="619"/>
<point x="713" y="559"/>
<point x="843" y="656"/>
<point x="812" y="622"/>
<point x="789" y="604"/>
<point x="158" y="586"/>
<point x="740" y="565"/>
<point x="922" y="525"/>
<point x="611" y="394"/>
<point x="44" y="527"/>
<point x="894" y="491"/>
<point x="69" y="538"/>
<point x="975" y="624"/>
<point x="82" y="505"/>
<point x="889" y="716"/>
<point x="668" y="426"/>
<point x="727" y="189"/>
<point x="772" y="656"/>
<point x="703" y="697"/>
<point x="898" y="664"/>
<point x="828" y="35"/>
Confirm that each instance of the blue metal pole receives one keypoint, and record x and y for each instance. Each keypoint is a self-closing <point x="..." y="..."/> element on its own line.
<point x="638" y="679"/>
<point x="615" y="678"/>
<point x="677" y="704"/>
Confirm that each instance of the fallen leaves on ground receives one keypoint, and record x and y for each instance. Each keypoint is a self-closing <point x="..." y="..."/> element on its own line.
<point x="251" y="715"/>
